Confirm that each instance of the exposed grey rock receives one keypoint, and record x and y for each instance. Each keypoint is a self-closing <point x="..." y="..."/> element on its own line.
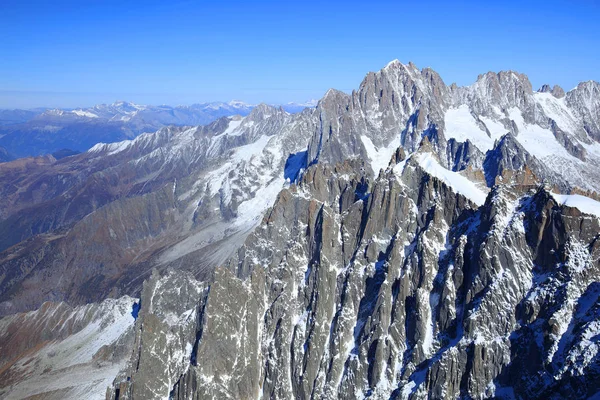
<point x="165" y="336"/>
<point x="556" y="91"/>
<point x="504" y="90"/>
<point x="573" y="147"/>
<point x="398" y="104"/>
<point x="406" y="291"/>
<point x="585" y="99"/>
<point x="461" y="155"/>
<point x="508" y="154"/>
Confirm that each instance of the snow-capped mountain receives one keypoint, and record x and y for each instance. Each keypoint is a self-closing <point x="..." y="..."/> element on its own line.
<point x="80" y="129"/>
<point x="411" y="239"/>
<point x="127" y="111"/>
<point x="203" y="112"/>
<point x="33" y="133"/>
<point x="297" y="107"/>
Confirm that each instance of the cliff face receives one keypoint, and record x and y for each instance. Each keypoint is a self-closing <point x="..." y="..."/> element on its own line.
<point x="398" y="287"/>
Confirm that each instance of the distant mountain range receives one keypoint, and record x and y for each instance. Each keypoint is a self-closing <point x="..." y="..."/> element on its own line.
<point x="41" y="131"/>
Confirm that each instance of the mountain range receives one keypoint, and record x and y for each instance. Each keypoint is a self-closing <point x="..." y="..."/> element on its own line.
<point x="409" y="240"/>
<point x="25" y="133"/>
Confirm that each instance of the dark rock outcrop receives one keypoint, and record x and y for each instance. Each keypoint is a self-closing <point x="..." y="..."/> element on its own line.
<point x="404" y="290"/>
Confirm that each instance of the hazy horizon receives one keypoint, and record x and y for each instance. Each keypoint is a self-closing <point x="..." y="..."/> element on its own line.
<point x="112" y="100"/>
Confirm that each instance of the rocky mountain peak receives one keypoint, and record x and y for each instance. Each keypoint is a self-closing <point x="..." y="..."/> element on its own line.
<point x="587" y="93"/>
<point x="585" y="99"/>
<point x="509" y="163"/>
<point x="332" y="97"/>
<point x="262" y="111"/>
<point x="504" y="79"/>
<point x="403" y="76"/>
<point x="505" y="89"/>
<point x="556" y="91"/>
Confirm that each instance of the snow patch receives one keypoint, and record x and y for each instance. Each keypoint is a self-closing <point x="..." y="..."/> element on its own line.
<point x="380" y="157"/>
<point x="536" y="140"/>
<point x="251" y="211"/>
<point x="582" y="203"/>
<point x="68" y="365"/>
<point x="461" y="125"/>
<point x="232" y="127"/>
<point x="111" y="148"/>
<point x="457" y="182"/>
<point x="558" y="110"/>
<point x="83" y="113"/>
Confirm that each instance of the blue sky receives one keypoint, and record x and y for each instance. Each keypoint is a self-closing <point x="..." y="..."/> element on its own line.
<point x="78" y="53"/>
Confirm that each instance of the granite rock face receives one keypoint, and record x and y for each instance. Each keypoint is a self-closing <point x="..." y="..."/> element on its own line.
<point x="556" y="91"/>
<point x="586" y="101"/>
<point x="400" y="287"/>
<point x="165" y="334"/>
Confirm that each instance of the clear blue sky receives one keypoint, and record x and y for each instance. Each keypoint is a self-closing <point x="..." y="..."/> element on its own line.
<point x="78" y="53"/>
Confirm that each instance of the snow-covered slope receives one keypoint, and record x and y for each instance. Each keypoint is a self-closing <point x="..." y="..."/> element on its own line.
<point x="454" y="180"/>
<point x="58" y="352"/>
<point x="582" y="203"/>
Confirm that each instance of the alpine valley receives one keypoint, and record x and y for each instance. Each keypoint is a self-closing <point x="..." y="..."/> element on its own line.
<point x="409" y="240"/>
